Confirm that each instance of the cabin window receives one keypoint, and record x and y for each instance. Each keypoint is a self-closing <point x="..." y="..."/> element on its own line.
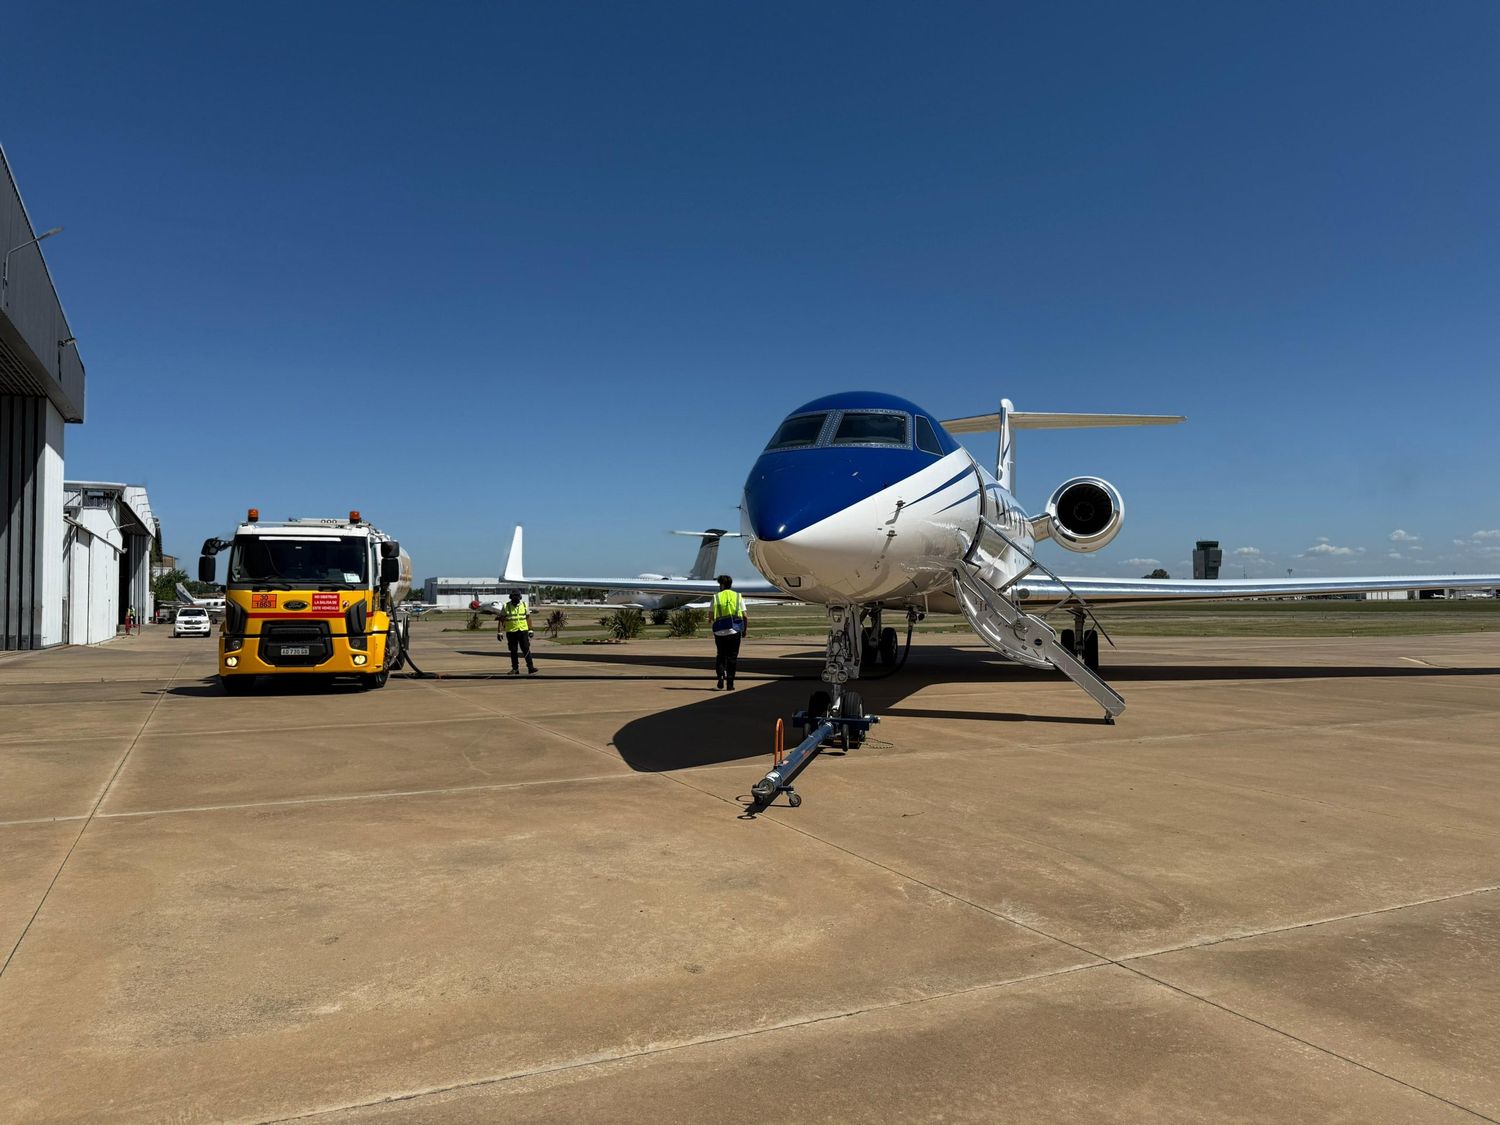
<point x="860" y="427"/>
<point x="798" y="432"/>
<point x="927" y="440"/>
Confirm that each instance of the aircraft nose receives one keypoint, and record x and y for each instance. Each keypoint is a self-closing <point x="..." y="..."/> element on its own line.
<point x="783" y="498"/>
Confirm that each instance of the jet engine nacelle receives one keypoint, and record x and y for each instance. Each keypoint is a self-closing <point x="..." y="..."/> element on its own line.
<point x="1084" y="514"/>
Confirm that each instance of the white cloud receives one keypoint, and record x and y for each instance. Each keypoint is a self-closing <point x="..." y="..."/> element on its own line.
<point x="1324" y="549"/>
<point x="1400" y="536"/>
<point x="1393" y="554"/>
<point x="1247" y="552"/>
<point x="1141" y="562"/>
<point x="1492" y="533"/>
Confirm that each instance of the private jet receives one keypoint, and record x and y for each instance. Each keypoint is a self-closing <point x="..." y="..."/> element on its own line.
<point x="867" y="504"/>
<point x="214" y="605"/>
<point x="702" y="569"/>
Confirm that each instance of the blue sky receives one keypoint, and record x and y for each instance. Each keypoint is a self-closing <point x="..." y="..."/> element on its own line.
<point x="466" y="265"/>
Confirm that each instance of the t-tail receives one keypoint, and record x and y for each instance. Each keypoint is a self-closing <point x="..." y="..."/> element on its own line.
<point x="708" y="550"/>
<point x="1009" y="419"/>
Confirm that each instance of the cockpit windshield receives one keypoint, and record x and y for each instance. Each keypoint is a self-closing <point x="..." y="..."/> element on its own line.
<point x="859" y="427"/>
<point x="798" y="432"/>
<point x="288" y="561"/>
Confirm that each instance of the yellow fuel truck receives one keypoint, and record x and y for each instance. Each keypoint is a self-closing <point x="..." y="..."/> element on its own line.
<point x="309" y="597"/>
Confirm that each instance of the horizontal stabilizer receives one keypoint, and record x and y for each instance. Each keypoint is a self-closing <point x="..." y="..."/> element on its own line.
<point x="1039" y="420"/>
<point x="712" y="532"/>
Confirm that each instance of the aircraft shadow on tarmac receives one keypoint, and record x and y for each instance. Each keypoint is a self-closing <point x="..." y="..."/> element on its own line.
<point x="728" y="727"/>
<point x="724" y="727"/>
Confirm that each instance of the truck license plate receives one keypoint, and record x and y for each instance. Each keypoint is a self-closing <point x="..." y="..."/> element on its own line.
<point x="296" y="650"/>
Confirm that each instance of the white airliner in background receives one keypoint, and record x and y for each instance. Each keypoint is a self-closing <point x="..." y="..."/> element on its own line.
<point x="702" y="570"/>
<point x="215" y="606"/>
<point x="864" y="502"/>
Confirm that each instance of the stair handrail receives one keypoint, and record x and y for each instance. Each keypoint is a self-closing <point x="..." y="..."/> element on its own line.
<point x="1045" y="569"/>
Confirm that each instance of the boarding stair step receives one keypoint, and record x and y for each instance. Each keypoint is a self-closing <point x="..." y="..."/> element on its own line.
<point x="1003" y="626"/>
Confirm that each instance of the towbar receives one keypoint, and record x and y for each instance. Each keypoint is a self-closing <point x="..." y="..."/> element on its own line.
<point x="780" y="779"/>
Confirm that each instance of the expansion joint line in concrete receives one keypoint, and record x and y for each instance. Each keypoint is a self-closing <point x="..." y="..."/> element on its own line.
<point x="1101" y="959"/>
<point x="93" y="811"/>
<point x="670" y="1048"/>
<point x="1309" y="1044"/>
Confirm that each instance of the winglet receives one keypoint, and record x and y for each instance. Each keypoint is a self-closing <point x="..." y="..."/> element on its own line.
<point x="514" y="571"/>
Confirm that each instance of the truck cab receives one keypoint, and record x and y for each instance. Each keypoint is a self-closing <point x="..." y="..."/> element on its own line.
<point x="308" y="597"/>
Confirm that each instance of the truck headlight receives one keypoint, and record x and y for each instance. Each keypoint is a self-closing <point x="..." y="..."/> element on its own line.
<point x="359" y="659"/>
<point x="231" y="662"/>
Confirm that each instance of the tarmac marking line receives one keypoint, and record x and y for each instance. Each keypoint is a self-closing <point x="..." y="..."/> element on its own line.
<point x="539" y="726"/>
<point x="1247" y="934"/>
<point x="1120" y="962"/>
<point x="42" y="820"/>
<point x="87" y="820"/>
<point x="250" y="729"/>
<point x="669" y="1048"/>
<point x="1061" y="751"/>
<point x="1307" y="1043"/>
<point x="379" y="795"/>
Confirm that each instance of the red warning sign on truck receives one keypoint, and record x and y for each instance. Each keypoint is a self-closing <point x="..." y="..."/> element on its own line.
<point x="325" y="601"/>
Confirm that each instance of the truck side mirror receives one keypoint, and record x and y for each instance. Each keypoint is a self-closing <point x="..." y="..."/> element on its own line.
<point x="389" y="549"/>
<point x="205" y="568"/>
<point x="390" y="570"/>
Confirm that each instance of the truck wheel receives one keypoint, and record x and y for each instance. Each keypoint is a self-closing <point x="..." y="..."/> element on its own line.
<point x="376" y="680"/>
<point x="237" y="685"/>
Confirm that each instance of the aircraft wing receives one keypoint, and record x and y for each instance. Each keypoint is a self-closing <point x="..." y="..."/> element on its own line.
<point x="1141" y="591"/>
<point x="702" y="587"/>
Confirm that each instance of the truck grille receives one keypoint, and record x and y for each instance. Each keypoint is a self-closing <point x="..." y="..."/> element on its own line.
<point x="278" y="636"/>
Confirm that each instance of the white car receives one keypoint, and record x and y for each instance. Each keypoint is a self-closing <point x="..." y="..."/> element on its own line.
<point x="191" y="621"/>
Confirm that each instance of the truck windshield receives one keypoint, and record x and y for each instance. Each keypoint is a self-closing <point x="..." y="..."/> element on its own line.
<point x="307" y="561"/>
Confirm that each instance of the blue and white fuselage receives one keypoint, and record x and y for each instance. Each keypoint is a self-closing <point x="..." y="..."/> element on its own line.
<point x="865" y="502"/>
<point x="865" y="499"/>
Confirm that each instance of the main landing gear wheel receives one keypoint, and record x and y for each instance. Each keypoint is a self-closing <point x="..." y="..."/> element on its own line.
<point x="1091" y="650"/>
<point x="889" y="643"/>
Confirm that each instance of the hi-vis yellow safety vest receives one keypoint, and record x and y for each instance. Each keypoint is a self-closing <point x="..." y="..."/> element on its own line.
<point x="514" y="617"/>
<point x="728" y="613"/>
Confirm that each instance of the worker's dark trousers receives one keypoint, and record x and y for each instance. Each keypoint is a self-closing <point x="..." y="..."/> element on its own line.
<point x="519" y="643"/>
<point x="727" y="654"/>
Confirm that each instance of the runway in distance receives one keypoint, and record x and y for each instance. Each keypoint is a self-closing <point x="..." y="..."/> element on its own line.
<point x="865" y="503"/>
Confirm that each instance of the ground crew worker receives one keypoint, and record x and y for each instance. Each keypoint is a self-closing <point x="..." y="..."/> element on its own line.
<point x="728" y="617"/>
<point x="515" y="622"/>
